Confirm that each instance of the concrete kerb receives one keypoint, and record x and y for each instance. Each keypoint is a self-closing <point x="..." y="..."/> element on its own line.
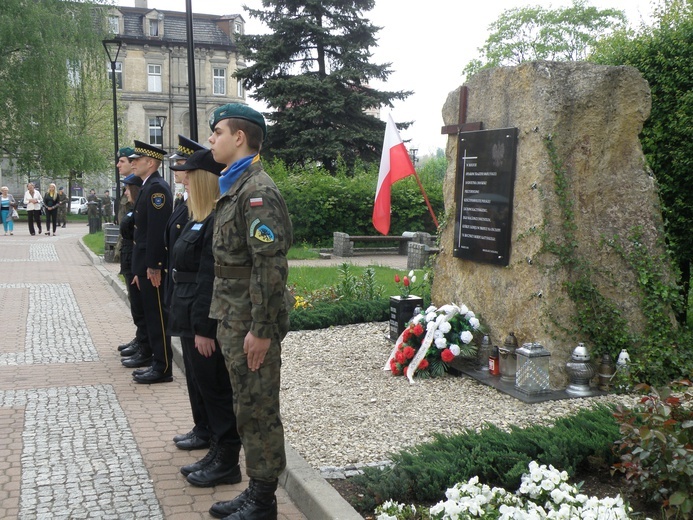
<point x="311" y="493"/>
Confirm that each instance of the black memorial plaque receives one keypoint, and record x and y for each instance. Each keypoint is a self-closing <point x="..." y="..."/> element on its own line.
<point x="484" y="189"/>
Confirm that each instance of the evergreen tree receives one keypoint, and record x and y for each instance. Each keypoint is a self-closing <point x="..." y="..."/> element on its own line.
<point x="54" y="110"/>
<point x="312" y="71"/>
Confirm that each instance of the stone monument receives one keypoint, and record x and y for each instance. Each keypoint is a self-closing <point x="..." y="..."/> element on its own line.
<point x="591" y="115"/>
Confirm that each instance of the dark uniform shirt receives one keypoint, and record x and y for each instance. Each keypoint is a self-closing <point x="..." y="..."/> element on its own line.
<point x="127" y="233"/>
<point x="174" y="227"/>
<point x="192" y="258"/>
<point x="152" y="211"/>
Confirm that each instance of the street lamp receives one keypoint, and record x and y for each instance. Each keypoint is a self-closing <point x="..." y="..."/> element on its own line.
<point x="112" y="50"/>
<point x="160" y="122"/>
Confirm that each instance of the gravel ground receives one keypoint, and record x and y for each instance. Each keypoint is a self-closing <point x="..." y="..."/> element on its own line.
<point x="340" y="408"/>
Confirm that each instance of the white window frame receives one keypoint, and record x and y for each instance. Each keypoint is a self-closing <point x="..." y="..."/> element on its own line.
<point x="240" y="91"/>
<point x="156" y="134"/>
<point x="154" y="24"/>
<point x="114" y="24"/>
<point x="154" y="78"/>
<point x="238" y="27"/>
<point x="118" y="73"/>
<point x="218" y="81"/>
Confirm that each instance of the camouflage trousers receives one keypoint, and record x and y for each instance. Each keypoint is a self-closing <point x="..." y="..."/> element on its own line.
<point x="256" y="402"/>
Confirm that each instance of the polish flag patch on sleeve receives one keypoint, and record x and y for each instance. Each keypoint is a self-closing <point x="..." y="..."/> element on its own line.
<point x="255" y="202"/>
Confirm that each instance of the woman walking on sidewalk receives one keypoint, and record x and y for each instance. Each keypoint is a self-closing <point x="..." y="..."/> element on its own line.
<point x="51" y="201"/>
<point x="7" y="206"/>
<point x="192" y="265"/>
<point x="33" y="201"/>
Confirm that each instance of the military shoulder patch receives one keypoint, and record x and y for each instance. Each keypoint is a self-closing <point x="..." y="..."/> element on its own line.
<point x="260" y="231"/>
<point x="158" y="200"/>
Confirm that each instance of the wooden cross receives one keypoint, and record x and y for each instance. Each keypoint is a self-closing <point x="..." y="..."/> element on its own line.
<point x="463" y="126"/>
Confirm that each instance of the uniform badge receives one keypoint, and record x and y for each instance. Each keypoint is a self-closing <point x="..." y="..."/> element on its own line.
<point x="255" y="202"/>
<point x="261" y="232"/>
<point x="158" y="200"/>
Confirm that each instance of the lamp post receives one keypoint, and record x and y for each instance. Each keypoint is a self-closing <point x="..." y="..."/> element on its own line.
<point x="160" y="122"/>
<point x="112" y="50"/>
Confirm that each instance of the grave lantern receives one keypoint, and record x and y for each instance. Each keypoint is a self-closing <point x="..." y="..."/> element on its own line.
<point x="508" y="359"/>
<point x="532" y="375"/>
<point x="580" y="371"/>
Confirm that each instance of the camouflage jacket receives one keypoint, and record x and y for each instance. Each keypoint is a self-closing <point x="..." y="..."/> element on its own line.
<point x="252" y="228"/>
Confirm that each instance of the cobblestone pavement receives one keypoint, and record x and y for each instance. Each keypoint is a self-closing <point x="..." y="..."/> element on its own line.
<point x="78" y="439"/>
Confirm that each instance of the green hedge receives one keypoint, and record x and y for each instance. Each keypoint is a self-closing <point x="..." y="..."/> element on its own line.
<point x="321" y="204"/>
<point x="325" y="314"/>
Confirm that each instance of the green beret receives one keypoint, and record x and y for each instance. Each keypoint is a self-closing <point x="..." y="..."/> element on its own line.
<point x="126" y="151"/>
<point x="238" y="111"/>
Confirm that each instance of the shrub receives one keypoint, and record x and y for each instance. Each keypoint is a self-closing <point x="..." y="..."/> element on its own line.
<point x="656" y="447"/>
<point x="325" y="314"/>
<point x="424" y="472"/>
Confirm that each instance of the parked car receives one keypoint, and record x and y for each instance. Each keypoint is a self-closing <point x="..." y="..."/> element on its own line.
<point x="78" y="206"/>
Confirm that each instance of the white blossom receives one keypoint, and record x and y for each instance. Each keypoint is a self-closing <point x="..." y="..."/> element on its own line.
<point x="445" y="327"/>
<point x="430" y="316"/>
<point x="474" y="323"/>
<point x="463" y="309"/>
<point x="455" y="349"/>
<point x="466" y="337"/>
<point x="441" y="343"/>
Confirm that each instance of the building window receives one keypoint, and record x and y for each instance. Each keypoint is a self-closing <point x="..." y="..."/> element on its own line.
<point x="114" y="24"/>
<point x="153" y="27"/>
<point x="118" y="74"/>
<point x="238" y="27"/>
<point x="239" y="88"/>
<point x="154" y="78"/>
<point x="219" y="82"/>
<point x="156" y="134"/>
<point x="74" y="73"/>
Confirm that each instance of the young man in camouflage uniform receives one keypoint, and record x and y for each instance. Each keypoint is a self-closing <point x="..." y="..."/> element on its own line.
<point x="252" y="234"/>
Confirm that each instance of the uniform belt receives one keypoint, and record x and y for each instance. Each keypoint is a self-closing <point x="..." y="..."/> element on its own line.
<point x="230" y="271"/>
<point x="183" y="277"/>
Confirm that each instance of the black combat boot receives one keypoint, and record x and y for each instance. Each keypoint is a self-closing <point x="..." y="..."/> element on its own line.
<point x="228" y="507"/>
<point x="223" y="469"/>
<point x="261" y="504"/>
<point x="204" y="461"/>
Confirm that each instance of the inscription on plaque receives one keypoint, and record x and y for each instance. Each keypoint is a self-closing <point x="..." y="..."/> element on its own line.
<point x="484" y="189"/>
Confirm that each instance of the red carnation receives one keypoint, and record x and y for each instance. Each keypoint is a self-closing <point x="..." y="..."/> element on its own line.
<point x="447" y="356"/>
<point x="418" y="329"/>
<point x="394" y="368"/>
<point x="400" y="358"/>
<point x="424" y="364"/>
<point x="409" y="352"/>
<point x="406" y="335"/>
<point x="396" y="278"/>
<point x="406" y="281"/>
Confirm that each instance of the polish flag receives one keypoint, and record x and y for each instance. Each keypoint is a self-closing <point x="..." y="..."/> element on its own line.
<point x="395" y="164"/>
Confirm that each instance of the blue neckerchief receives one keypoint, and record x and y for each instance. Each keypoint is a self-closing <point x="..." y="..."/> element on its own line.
<point x="233" y="172"/>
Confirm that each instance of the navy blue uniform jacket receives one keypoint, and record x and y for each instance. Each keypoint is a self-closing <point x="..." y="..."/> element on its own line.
<point x="152" y="211"/>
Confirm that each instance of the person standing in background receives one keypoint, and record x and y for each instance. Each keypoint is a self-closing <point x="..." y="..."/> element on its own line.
<point x="50" y="202"/>
<point x="107" y="206"/>
<point x="7" y="206"/>
<point x="62" y="207"/>
<point x="33" y="201"/>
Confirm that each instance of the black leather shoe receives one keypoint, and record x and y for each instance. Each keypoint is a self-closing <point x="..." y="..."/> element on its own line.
<point x="137" y="361"/>
<point x="151" y="377"/>
<point x="229" y="507"/>
<point x="182" y="436"/>
<point x="141" y="371"/>
<point x="193" y="443"/>
<point x="131" y="350"/>
<point x="203" y="462"/>
<point x="122" y="347"/>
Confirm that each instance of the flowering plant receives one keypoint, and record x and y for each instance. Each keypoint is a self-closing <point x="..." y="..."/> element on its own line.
<point x="407" y="282"/>
<point x="432" y="339"/>
<point x="544" y="494"/>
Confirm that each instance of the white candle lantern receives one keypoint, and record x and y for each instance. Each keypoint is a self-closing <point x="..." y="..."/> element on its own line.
<point x="532" y="375"/>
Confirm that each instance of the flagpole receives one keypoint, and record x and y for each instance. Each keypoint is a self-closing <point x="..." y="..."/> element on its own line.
<point x="423" y="192"/>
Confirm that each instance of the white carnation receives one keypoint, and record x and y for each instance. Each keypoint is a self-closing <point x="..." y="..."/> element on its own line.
<point x="455" y="349"/>
<point x="470" y="314"/>
<point x="430" y="316"/>
<point x="466" y="337"/>
<point x="445" y="327"/>
<point x="441" y="343"/>
<point x="474" y="323"/>
<point x="463" y="309"/>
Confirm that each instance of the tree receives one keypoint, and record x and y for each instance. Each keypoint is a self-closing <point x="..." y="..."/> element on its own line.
<point x="52" y="85"/>
<point x="662" y="53"/>
<point x="535" y="33"/>
<point x="312" y="71"/>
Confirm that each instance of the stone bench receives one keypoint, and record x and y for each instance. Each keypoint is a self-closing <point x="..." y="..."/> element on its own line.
<point x="343" y="243"/>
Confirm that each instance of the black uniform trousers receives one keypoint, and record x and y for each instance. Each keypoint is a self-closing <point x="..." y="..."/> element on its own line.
<point x="155" y="317"/>
<point x="212" y="380"/>
<point x="197" y="405"/>
<point x="137" y="312"/>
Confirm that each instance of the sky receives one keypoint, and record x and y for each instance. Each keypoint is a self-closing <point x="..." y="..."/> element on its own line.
<point x="427" y="44"/>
